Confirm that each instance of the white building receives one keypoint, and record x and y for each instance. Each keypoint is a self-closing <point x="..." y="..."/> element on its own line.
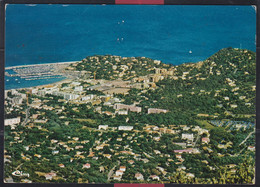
<point x="139" y="176"/>
<point x="122" y="168"/>
<point x="154" y="177"/>
<point x="102" y="127"/>
<point x="78" y="89"/>
<point x="122" y="112"/>
<point x="156" y="111"/>
<point x="187" y="136"/>
<point x="70" y="96"/>
<point x="12" y="121"/>
<point x="132" y="108"/>
<point x="125" y="128"/>
<point x="119" y="173"/>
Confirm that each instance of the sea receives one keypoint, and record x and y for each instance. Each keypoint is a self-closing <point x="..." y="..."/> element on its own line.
<point x="175" y="34"/>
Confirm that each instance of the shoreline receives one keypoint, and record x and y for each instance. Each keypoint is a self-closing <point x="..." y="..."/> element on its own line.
<point x="30" y="87"/>
<point x="44" y="64"/>
<point x="58" y="82"/>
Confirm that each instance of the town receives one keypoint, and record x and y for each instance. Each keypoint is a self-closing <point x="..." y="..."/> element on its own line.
<point x="136" y="120"/>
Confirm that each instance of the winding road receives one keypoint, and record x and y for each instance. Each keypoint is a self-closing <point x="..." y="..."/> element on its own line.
<point x="111" y="171"/>
<point x="27" y="114"/>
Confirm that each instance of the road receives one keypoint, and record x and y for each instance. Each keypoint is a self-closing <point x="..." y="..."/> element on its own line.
<point x="111" y="171"/>
<point x="235" y="155"/>
<point x="247" y="137"/>
<point x="27" y="114"/>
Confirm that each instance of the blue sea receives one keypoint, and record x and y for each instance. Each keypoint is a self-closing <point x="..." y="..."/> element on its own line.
<point x="38" y="34"/>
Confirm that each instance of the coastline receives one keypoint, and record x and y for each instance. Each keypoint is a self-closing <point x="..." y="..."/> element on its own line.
<point x="51" y="68"/>
<point x="44" y="64"/>
<point x="50" y="84"/>
<point x="38" y="86"/>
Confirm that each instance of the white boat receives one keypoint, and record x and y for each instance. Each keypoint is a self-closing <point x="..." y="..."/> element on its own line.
<point x="190" y="51"/>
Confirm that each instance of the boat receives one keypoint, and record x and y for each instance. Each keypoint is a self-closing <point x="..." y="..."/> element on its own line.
<point x="7" y="80"/>
<point x="190" y="51"/>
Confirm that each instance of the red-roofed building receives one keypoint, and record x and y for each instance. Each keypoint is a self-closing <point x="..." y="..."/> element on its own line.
<point x="87" y="165"/>
<point x="205" y="140"/>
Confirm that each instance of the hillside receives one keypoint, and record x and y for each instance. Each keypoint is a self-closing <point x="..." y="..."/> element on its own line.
<point x="123" y="117"/>
<point x="222" y="86"/>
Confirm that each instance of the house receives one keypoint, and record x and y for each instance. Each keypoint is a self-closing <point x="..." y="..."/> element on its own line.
<point x="154" y="177"/>
<point x="191" y="175"/>
<point x="183" y="151"/>
<point x="108" y="113"/>
<point x="49" y="176"/>
<point x="79" y="147"/>
<point x="87" y="165"/>
<point x="38" y="156"/>
<point x="62" y="165"/>
<point x="119" y="139"/>
<point x="251" y="148"/>
<point x="126" y="128"/>
<point x="139" y="176"/>
<point x="54" y="141"/>
<point x="156" y="110"/>
<point x="183" y="145"/>
<point x="233" y="106"/>
<point x="122" y="168"/>
<point x="203" y="115"/>
<point x="187" y="136"/>
<point x="75" y="138"/>
<point x="102" y="127"/>
<point x="69" y="96"/>
<point x="99" y="147"/>
<point x="117" y="177"/>
<point x="131" y="108"/>
<point x="226" y="98"/>
<point x="119" y="173"/>
<point x="12" y="121"/>
<point x="131" y="161"/>
<point x="78" y="89"/>
<point x="55" y="152"/>
<point x="205" y="140"/>
<point x="178" y="156"/>
<point x="107" y="156"/>
<point x="122" y="112"/>
<point x="91" y="154"/>
<point x="26" y="148"/>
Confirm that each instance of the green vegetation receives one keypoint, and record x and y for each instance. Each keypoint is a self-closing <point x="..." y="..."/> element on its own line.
<point x="210" y="110"/>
